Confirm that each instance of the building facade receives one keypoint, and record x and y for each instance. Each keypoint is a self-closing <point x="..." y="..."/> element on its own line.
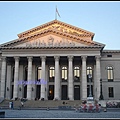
<point x="58" y="61"/>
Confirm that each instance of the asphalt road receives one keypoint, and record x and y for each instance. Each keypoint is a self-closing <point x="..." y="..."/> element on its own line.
<point x="52" y="113"/>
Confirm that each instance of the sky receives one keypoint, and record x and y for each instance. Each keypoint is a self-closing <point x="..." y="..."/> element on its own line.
<point x="100" y="17"/>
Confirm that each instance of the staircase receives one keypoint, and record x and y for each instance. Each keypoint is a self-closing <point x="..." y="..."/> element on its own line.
<point x="41" y="104"/>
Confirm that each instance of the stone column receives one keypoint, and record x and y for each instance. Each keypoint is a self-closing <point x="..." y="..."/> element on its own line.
<point x="70" y="79"/>
<point x="29" y="88"/>
<point x="3" y="74"/>
<point x="43" y="78"/>
<point x="8" y="82"/>
<point x="98" y="76"/>
<point x="57" y="79"/>
<point x="21" y="87"/>
<point x="16" y="77"/>
<point x="84" y="79"/>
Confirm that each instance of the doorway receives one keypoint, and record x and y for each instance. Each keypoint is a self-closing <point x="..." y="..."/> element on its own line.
<point x="64" y="92"/>
<point x="76" y="92"/>
<point x="51" y="92"/>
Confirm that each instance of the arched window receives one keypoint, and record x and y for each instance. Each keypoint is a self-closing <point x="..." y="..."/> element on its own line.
<point x="110" y="73"/>
<point x="38" y="73"/>
<point x="64" y="73"/>
<point x="13" y="71"/>
<point x="51" y="74"/>
<point x="76" y="74"/>
<point x="89" y="72"/>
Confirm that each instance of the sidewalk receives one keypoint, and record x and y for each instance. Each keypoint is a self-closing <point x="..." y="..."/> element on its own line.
<point x="54" y="108"/>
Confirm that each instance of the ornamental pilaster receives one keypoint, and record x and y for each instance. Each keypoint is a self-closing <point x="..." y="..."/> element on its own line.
<point x="16" y="77"/>
<point x="70" y="79"/>
<point x="84" y="79"/>
<point x="98" y="77"/>
<point x="43" y="89"/>
<point x="3" y="74"/>
<point x="57" y="78"/>
<point x="29" y="87"/>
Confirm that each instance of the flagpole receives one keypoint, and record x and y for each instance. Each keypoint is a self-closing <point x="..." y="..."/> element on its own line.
<point x="55" y="14"/>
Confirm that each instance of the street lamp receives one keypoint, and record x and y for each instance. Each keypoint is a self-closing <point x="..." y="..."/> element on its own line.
<point x="90" y="76"/>
<point x="101" y="95"/>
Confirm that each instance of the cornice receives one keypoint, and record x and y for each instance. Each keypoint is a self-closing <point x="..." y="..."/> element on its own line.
<point x="53" y="22"/>
<point x="111" y="51"/>
<point x="28" y="38"/>
<point x="76" y="47"/>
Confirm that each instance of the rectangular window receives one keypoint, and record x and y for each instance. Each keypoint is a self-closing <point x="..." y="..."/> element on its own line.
<point x="109" y="55"/>
<point x="111" y="92"/>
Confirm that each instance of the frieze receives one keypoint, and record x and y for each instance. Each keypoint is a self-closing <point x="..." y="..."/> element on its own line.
<point x="58" y="28"/>
<point x="50" y="42"/>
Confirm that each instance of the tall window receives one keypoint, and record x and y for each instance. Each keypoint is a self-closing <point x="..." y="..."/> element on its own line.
<point x="110" y="73"/>
<point x="76" y="74"/>
<point x="26" y="73"/>
<point x="89" y="71"/>
<point x="111" y="92"/>
<point x="13" y="70"/>
<point x="64" y="73"/>
<point x="38" y="73"/>
<point x="51" y="74"/>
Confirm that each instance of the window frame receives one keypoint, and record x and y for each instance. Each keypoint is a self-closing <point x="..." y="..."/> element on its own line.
<point x="89" y="71"/>
<point x="78" y="75"/>
<point x="51" y="72"/>
<point x="111" y="92"/>
<point x="110" y="73"/>
<point x="65" y="70"/>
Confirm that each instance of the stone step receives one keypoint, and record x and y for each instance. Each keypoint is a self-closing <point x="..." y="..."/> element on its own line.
<point x="45" y="103"/>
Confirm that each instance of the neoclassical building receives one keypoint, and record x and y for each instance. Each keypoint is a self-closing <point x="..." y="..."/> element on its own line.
<point x="58" y="61"/>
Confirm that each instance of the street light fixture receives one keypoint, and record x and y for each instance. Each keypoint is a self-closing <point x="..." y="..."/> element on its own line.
<point x="101" y="95"/>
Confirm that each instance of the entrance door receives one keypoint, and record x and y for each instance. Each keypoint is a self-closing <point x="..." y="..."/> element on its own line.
<point x="77" y="92"/>
<point x="64" y="92"/>
<point x="25" y="91"/>
<point x="51" y="92"/>
<point x="38" y="89"/>
<point x="12" y="91"/>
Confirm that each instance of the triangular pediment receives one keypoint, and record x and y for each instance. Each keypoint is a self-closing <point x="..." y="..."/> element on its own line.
<point x="53" y="34"/>
<point x="58" y="26"/>
<point x="51" y="41"/>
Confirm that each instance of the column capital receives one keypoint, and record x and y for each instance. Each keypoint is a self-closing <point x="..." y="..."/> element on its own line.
<point x="56" y="58"/>
<point x="16" y="58"/>
<point x="43" y="58"/>
<point x="84" y="57"/>
<point x="70" y="57"/>
<point x="3" y="58"/>
<point x="97" y="57"/>
<point x="29" y="58"/>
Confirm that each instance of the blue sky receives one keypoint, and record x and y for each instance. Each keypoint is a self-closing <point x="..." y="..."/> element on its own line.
<point x="101" y="18"/>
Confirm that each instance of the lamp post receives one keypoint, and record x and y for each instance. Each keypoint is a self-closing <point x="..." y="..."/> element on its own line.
<point x="90" y="76"/>
<point x="101" y="95"/>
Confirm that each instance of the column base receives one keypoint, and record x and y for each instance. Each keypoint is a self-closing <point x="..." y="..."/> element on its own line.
<point x="55" y="99"/>
<point x="29" y="99"/>
<point x="16" y="98"/>
<point x="42" y="99"/>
